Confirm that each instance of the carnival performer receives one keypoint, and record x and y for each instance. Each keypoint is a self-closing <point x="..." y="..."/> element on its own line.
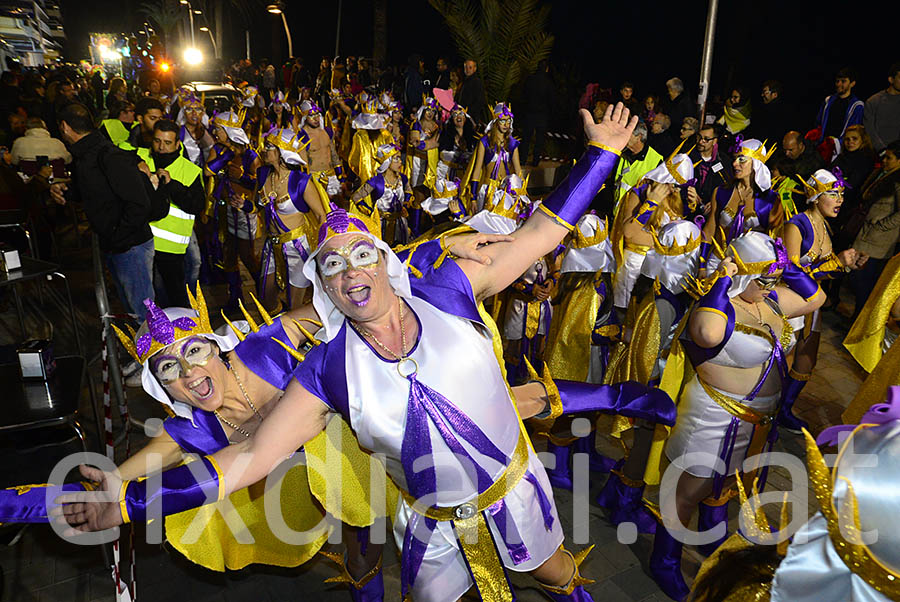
<point x="736" y="341"/>
<point x="197" y="140"/>
<point x="422" y="153"/>
<point x="496" y="156"/>
<point x="293" y="207"/>
<point x="369" y="135"/>
<point x="748" y="203"/>
<point x="652" y="204"/>
<point x="671" y="263"/>
<point x="320" y="154"/>
<point x="387" y="194"/>
<point x="582" y="307"/>
<point x="280" y="114"/>
<point x="340" y="114"/>
<point x="232" y="166"/>
<point x="397" y="125"/>
<point x="808" y="244"/>
<point x="456" y="144"/>
<point x="377" y="320"/>
<point x="444" y="204"/>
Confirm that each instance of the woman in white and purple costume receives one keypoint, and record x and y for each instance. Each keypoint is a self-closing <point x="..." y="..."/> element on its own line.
<point x="412" y="366"/>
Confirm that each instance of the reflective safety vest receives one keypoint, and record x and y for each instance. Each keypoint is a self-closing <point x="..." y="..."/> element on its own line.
<point x="629" y="175"/>
<point x="116" y="130"/>
<point x="172" y="233"/>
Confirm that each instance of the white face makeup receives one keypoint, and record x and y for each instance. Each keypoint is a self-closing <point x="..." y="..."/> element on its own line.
<point x="359" y="254"/>
<point x="172" y="364"/>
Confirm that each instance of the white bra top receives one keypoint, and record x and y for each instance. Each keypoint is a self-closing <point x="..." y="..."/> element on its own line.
<point x="751" y="346"/>
<point x="726" y="217"/>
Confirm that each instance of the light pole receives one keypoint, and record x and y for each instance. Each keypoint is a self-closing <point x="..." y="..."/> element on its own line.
<point x="191" y="15"/>
<point x="211" y="39"/>
<point x="709" y="40"/>
<point x="276" y="8"/>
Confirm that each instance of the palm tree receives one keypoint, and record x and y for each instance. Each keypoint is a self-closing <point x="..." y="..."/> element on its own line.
<point x="506" y="38"/>
<point x="164" y="14"/>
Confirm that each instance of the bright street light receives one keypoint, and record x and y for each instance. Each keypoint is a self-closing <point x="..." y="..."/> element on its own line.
<point x="204" y="28"/>
<point x="193" y="56"/>
<point x="198" y="12"/>
<point x="274" y="9"/>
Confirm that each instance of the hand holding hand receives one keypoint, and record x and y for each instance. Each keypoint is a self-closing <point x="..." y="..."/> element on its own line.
<point x="163" y="176"/>
<point x="848" y="257"/>
<point x="236" y="202"/>
<point x="465" y="246"/>
<point x="86" y="511"/>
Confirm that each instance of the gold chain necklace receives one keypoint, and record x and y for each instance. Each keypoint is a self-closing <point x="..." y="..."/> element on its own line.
<point x="758" y="319"/>
<point x="817" y="237"/>
<point x="384" y="348"/>
<point x="246" y="398"/>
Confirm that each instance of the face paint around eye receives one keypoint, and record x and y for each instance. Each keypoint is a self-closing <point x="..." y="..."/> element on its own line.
<point x="332" y="265"/>
<point x="363" y="255"/>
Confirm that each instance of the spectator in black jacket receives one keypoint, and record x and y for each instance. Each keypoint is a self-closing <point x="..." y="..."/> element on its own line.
<point x="147" y="111"/>
<point x="803" y="159"/>
<point x="115" y="199"/>
<point x="770" y="119"/>
<point x="711" y="168"/>
<point x="413" y="85"/>
<point x="538" y="100"/>
<point x="442" y="77"/>
<point x="471" y="95"/>
<point x="680" y="104"/>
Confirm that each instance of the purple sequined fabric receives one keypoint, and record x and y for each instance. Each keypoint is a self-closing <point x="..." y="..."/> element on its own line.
<point x="339" y="221"/>
<point x="781" y="257"/>
<point x="160" y="329"/>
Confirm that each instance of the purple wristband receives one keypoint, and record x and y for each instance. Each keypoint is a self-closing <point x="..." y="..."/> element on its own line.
<point x="181" y="488"/>
<point x="569" y="201"/>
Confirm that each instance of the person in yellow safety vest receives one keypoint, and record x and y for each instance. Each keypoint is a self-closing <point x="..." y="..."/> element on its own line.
<point x="120" y="122"/>
<point x="636" y="161"/>
<point x="177" y="181"/>
<point x="147" y="112"/>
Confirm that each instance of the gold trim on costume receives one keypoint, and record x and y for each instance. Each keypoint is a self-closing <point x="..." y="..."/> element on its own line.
<point x="123" y="506"/>
<point x="555" y="217"/>
<point x="851" y="548"/>
<point x="602" y="146"/>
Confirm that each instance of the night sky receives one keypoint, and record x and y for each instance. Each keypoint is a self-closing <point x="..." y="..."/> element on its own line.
<point x="801" y="43"/>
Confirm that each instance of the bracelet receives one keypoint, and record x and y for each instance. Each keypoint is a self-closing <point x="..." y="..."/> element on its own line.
<point x="602" y="146"/>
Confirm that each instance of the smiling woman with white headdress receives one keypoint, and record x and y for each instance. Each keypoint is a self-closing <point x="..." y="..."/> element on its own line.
<point x="647" y="207"/>
<point x="736" y="341"/>
<point x="387" y="193"/>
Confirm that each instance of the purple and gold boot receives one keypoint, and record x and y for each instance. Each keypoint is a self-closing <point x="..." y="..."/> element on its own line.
<point x="665" y="565"/>
<point x="624" y="499"/>
<point x="710" y="516"/>
<point x="790" y="391"/>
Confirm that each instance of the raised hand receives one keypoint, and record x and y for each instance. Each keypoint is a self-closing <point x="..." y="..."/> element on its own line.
<point x="614" y="130"/>
<point x="728" y="267"/>
<point x="90" y="510"/>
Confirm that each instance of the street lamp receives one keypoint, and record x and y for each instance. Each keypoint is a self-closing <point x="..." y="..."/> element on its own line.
<point x="277" y="8"/>
<point x="192" y="56"/>
<point x="211" y="39"/>
<point x="191" y="15"/>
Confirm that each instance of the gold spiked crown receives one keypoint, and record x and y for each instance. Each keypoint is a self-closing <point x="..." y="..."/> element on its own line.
<point x="161" y="332"/>
<point x="268" y="320"/>
<point x="231" y="119"/>
<point x="673" y="168"/>
<point x="580" y="241"/>
<point x="674" y="248"/>
<point x="294" y="144"/>
<point x="820" y="187"/>
<point x="756" y="154"/>
<point x="843" y="525"/>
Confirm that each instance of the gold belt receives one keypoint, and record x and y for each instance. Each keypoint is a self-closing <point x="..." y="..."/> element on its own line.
<point x="635" y="248"/>
<point x="474" y="535"/>
<point x="290" y="235"/>
<point x="736" y="408"/>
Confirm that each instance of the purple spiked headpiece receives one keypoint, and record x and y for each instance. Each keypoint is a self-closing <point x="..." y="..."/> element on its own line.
<point x="160" y="328"/>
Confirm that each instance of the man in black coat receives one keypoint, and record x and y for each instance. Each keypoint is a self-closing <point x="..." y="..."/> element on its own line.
<point x="116" y="202"/>
<point x="538" y="94"/>
<point x="471" y="96"/>
<point x="770" y="119"/>
<point x="680" y="104"/>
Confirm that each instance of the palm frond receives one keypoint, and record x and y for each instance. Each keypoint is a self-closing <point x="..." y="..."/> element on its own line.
<point x="506" y="37"/>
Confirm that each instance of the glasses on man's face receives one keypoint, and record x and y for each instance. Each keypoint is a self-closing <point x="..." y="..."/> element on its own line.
<point x="707" y="138"/>
<point x="172" y="366"/>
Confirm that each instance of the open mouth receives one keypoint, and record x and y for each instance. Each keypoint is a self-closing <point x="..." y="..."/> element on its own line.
<point x="202" y="388"/>
<point x="359" y="294"/>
